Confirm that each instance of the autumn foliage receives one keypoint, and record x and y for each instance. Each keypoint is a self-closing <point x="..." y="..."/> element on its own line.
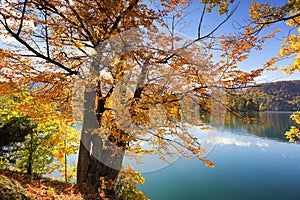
<point x="124" y="72"/>
<point x="265" y="15"/>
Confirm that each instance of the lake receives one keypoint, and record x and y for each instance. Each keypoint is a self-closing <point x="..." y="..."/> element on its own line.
<point x="252" y="161"/>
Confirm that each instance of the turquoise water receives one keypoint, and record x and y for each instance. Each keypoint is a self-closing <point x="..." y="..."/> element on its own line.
<point x="253" y="162"/>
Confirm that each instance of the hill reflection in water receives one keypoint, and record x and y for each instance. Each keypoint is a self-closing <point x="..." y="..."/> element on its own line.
<point x="270" y="125"/>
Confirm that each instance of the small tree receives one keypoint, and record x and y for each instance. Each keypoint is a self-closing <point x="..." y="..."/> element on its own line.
<point x="13" y="131"/>
<point x="35" y="142"/>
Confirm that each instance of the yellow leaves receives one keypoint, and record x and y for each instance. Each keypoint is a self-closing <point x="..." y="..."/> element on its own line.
<point x="291" y="47"/>
<point x="127" y="184"/>
<point x="293" y="135"/>
<point x="296" y="117"/>
<point x="254" y="10"/>
<point x="223" y="5"/>
<point x="293" y="22"/>
<point x="264" y="13"/>
<point x="54" y="131"/>
<point x="293" y="7"/>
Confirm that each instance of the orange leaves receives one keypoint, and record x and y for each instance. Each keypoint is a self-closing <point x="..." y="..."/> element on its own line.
<point x="43" y="188"/>
<point x="163" y="71"/>
<point x="256" y="73"/>
<point x="248" y="31"/>
<point x="237" y="49"/>
<point x="271" y="35"/>
<point x="175" y="6"/>
<point x="175" y="3"/>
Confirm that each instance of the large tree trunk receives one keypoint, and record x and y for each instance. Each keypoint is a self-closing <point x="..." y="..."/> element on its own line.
<point x="90" y="169"/>
<point x="98" y="157"/>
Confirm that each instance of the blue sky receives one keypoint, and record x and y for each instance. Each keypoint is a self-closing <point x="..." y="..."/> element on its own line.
<point x="257" y="58"/>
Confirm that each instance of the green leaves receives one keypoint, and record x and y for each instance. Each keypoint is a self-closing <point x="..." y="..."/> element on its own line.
<point x="38" y="135"/>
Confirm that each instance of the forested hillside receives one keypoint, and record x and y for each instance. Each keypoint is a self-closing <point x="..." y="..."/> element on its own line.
<point x="275" y="96"/>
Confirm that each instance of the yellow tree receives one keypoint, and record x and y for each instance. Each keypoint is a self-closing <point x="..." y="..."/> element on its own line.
<point x="44" y="142"/>
<point x="138" y="79"/>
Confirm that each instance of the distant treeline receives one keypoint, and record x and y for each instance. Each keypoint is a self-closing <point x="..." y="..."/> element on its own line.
<point x="275" y="96"/>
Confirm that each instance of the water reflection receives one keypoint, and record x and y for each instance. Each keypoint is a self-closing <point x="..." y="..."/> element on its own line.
<point x="253" y="161"/>
<point x="270" y="125"/>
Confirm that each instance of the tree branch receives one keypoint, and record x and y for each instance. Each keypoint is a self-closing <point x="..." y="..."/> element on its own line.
<point x="22" y="18"/>
<point x="201" y="20"/>
<point x="280" y="19"/>
<point x="38" y="54"/>
<point x="47" y="38"/>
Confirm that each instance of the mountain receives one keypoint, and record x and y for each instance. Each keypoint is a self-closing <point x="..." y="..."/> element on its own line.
<point x="275" y="96"/>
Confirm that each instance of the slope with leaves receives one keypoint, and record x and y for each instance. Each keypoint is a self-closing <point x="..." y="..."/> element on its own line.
<point x="15" y="185"/>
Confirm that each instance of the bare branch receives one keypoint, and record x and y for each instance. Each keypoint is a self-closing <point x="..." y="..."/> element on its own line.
<point x="22" y="18"/>
<point x="47" y="38"/>
<point x="201" y="20"/>
<point x="217" y="27"/>
<point x="281" y="19"/>
<point x="38" y="54"/>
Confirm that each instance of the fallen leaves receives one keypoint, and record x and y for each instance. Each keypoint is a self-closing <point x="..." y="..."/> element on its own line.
<point x="41" y="188"/>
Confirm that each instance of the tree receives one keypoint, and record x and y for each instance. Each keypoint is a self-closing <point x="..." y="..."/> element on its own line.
<point x="35" y="136"/>
<point x="137" y="78"/>
<point x="14" y="130"/>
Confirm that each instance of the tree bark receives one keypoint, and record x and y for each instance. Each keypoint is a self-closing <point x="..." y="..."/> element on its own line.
<point x="98" y="157"/>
